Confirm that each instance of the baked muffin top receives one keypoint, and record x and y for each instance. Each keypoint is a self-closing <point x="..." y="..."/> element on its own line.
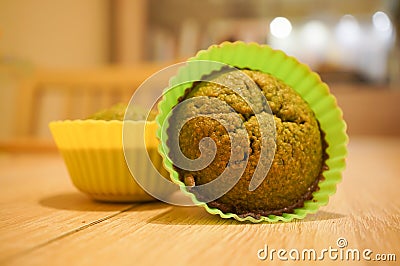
<point x="298" y="145"/>
<point x="117" y="112"/>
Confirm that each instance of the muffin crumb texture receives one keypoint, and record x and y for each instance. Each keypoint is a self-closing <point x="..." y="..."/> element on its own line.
<point x="299" y="155"/>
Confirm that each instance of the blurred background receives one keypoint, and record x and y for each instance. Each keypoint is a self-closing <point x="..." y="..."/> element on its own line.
<point x="68" y="58"/>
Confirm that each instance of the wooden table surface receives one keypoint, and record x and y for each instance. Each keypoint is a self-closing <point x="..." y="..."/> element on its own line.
<point x="44" y="220"/>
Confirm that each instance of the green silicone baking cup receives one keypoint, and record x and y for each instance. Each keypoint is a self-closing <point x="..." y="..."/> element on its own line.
<point x="298" y="76"/>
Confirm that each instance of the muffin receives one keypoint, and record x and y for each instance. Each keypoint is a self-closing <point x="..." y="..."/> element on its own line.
<point x="307" y="133"/>
<point x="298" y="160"/>
<point x="93" y="151"/>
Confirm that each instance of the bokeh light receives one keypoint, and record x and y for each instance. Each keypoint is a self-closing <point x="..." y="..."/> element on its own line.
<point x="348" y="31"/>
<point x="280" y="27"/>
<point x="381" y="21"/>
<point x="315" y="35"/>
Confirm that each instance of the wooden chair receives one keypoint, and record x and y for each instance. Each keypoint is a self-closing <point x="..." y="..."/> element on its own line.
<point x="73" y="94"/>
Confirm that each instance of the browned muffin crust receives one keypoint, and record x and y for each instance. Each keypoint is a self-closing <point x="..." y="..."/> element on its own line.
<point x="299" y="156"/>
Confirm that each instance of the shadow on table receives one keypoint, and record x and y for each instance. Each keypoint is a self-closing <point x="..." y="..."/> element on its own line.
<point x="168" y="214"/>
<point x="79" y="202"/>
<point x="198" y="216"/>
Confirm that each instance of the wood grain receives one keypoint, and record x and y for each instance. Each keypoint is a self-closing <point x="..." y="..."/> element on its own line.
<point x="38" y="203"/>
<point x="44" y="219"/>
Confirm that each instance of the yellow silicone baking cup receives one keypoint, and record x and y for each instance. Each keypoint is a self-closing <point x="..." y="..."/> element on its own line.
<point x="295" y="74"/>
<point x="94" y="156"/>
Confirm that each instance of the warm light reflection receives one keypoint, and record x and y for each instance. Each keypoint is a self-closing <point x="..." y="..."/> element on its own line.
<point x="280" y="27"/>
